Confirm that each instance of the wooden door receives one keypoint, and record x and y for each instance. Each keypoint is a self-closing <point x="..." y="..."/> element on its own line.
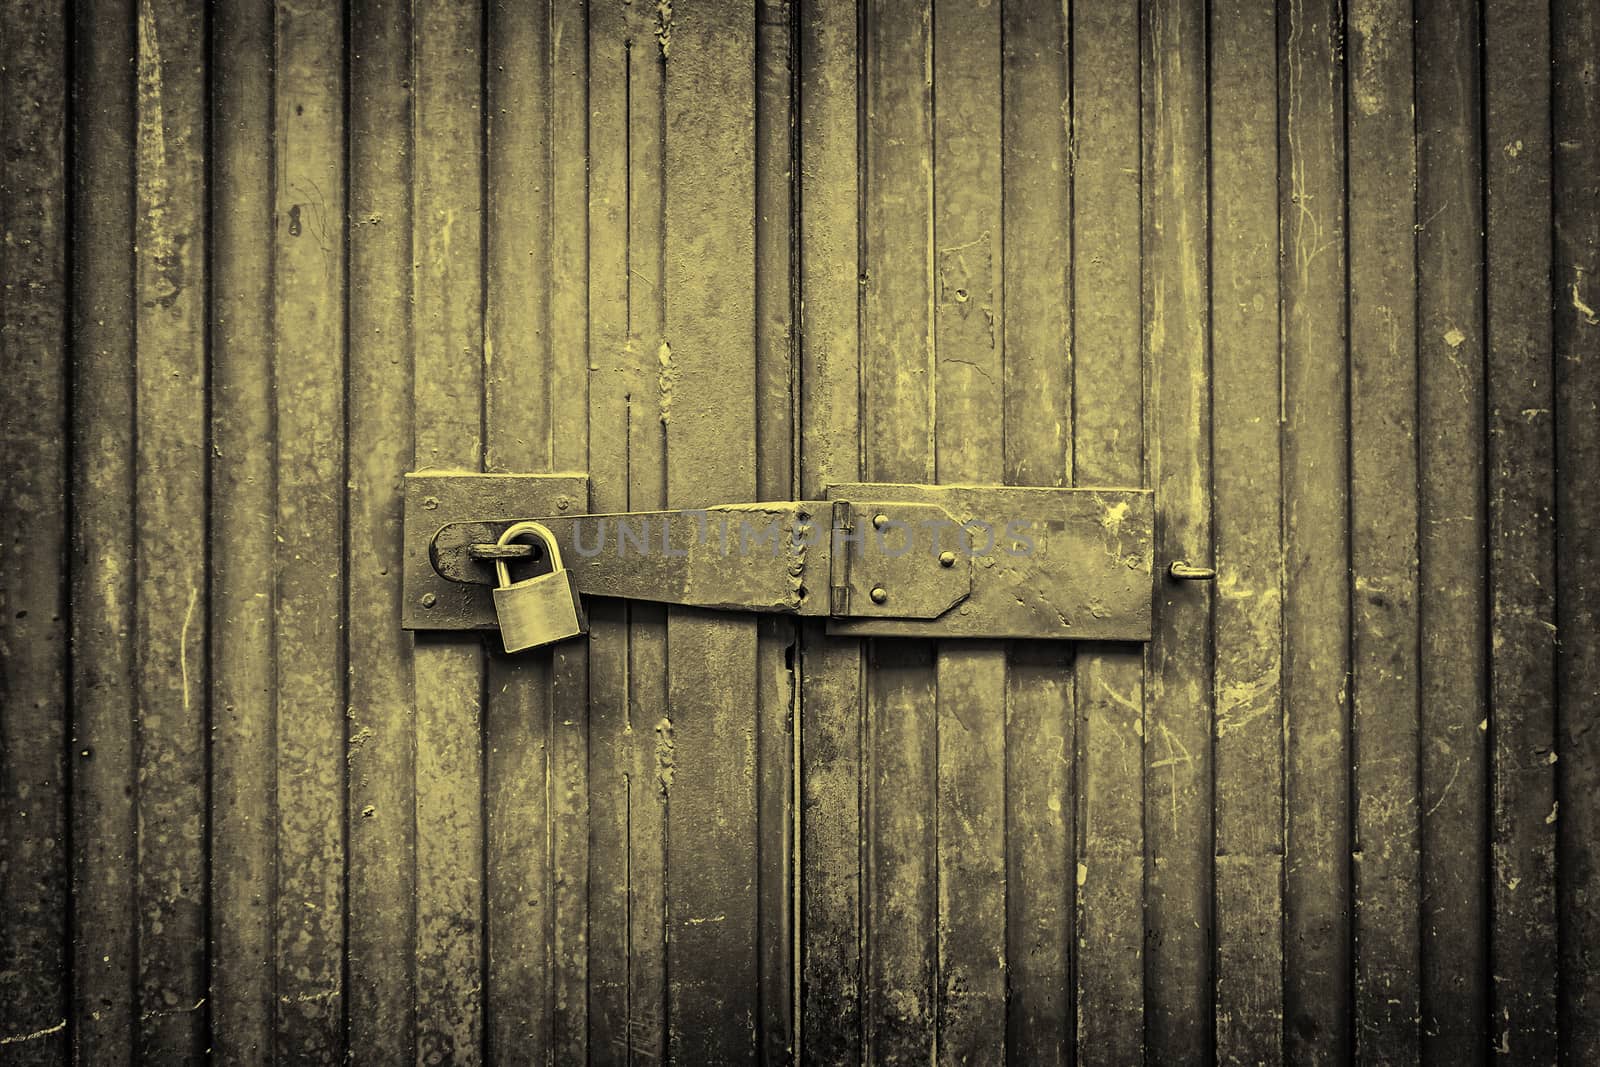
<point x="1320" y="275"/>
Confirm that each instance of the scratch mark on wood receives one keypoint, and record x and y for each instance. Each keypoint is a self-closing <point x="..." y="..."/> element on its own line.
<point x="183" y="643"/>
<point x="17" y="1039"/>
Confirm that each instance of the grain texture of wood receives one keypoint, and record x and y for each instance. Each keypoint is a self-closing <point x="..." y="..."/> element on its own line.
<point x="1311" y="212"/>
<point x="380" y="758"/>
<point x="1383" y="532"/>
<point x="35" y="950"/>
<point x="1247" y="499"/>
<point x="1035" y="334"/>
<point x="969" y="447"/>
<point x="616" y="791"/>
<point x="448" y="671"/>
<point x="832" y="814"/>
<point x="777" y="639"/>
<point x="172" y="457"/>
<point x="625" y="403"/>
<point x="244" y="692"/>
<point x="309" y="378"/>
<point x="1249" y="955"/>
<point x="568" y="384"/>
<point x="901" y="742"/>
<point x="1178" y="709"/>
<point x="520" y="400"/>
<point x="1108" y="449"/>
<point x="1452" y="675"/>
<point x="104" y="683"/>
<point x="1521" y="465"/>
<point x="1575" y="41"/>
<point x="706" y="394"/>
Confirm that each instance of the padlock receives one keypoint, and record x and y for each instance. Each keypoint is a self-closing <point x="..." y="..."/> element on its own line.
<point x="539" y="610"/>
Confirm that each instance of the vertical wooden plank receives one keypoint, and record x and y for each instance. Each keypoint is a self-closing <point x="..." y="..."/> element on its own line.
<point x="243" y="540"/>
<point x="832" y="824"/>
<point x="1248" y="611"/>
<point x="1108" y="449"/>
<point x="1035" y="322"/>
<point x="448" y="425"/>
<point x="832" y="816"/>
<point x="1178" y="764"/>
<point x="634" y="746"/>
<point x="622" y="794"/>
<point x="34" y="978"/>
<point x="648" y="727"/>
<point x="1521" y="496"/>
<point x="569" y="450"/>
<point x="1575" y="39"/>
<point x="611" y="792"/>
<point x="517" y="236"/>
<point x="1249" y="955"/>
<point x="519" y="398"/>
<point x="969" y="447"/>
<point x="615" y="791"/>
<point x="1315" y="531"/>
<point x="309" y="262"/>
<point x="104" y="866"/>
<point x="707" y="399"/>
<point x="381" y="804"/>
<point x="170" y="526"/>
<point x="896" y="425"/>
<point x="1035" y="98"/>
<point x="776" y="637"/>
<point x="1454" y="980"/>
<point x="1383" y="531"/>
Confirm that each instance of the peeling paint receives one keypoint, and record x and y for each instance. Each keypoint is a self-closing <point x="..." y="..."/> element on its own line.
<point x="1113" y="517"/>
<point x="1578" y="303"/>
<point x="664" y="26"/>
<point x="666" y="756"/>
<point x="666" y="380"/>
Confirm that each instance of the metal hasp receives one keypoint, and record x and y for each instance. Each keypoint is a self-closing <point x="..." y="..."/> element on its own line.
<point x="875" y="560"/>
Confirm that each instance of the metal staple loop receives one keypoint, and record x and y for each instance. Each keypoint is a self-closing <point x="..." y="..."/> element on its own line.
<point x="490" y="551"/>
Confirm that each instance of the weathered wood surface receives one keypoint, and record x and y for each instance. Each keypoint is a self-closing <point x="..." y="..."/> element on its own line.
<point x="1384" y="712"/>
<point x="1321" y="276"/>
<point x="1575" y="37"/>
<point x="1247" y="503"/>
<point x="1108" y="446"/>
<point x="1316" y="536"/>
<point x="1450" y="474"/>
<point x="99" y="1017"/>
<point x="35" y="510"/>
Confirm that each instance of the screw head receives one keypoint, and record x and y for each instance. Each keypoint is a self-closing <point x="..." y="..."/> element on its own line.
<point x="879" y="594"/>
<point x="879" y="521"/>
<point x="947" y="558"/>
<point x="429" y="600"/>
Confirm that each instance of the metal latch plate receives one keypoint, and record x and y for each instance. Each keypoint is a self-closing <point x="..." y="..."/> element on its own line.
<point x="975" y="561"/>
<point x="1046" y="563"/>
<point x="435" y="499"/>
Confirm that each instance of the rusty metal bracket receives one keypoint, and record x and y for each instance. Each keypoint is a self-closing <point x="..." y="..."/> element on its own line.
<point x="873" y="559"/>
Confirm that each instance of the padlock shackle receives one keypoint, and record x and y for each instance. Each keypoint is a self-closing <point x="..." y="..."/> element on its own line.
<point x="521" y="529"/>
